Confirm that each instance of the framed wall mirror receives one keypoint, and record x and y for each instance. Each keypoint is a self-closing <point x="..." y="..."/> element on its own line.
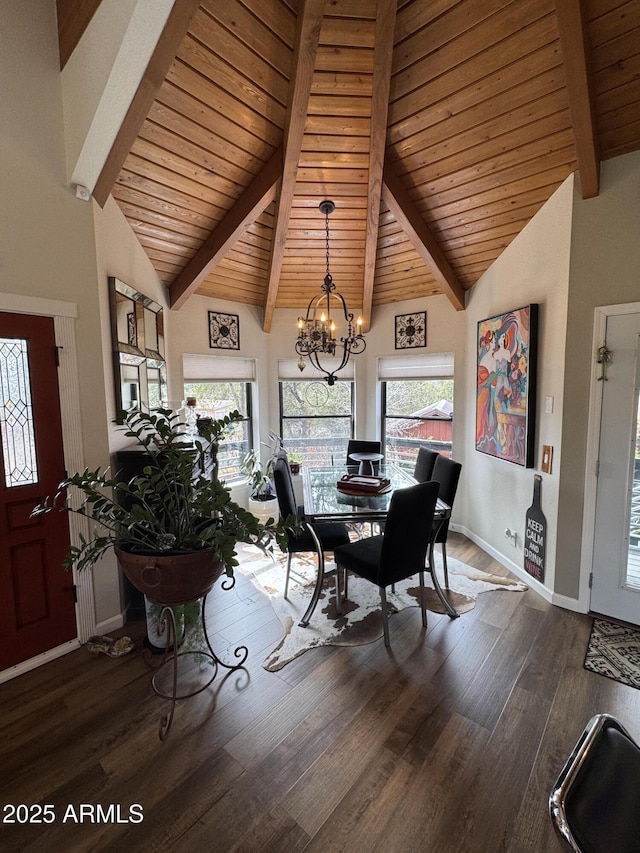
<point x="137" y="334"/>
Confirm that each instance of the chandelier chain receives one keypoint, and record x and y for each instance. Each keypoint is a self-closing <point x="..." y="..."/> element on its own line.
<point x="326" y="225"/>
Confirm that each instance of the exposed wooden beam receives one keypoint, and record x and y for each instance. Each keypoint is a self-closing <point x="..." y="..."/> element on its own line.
<point x="574" y="44"/>
<point x="260" y="193"/>
<point x="172" y="35"/>
<point x="385" y="28"/>
<point x="306" y="47"/>
<point x="420" y="235"/>
<point x="73" y="19"/>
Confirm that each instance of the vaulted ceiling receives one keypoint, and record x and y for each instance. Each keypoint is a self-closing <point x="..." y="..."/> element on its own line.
<point x="438" y="128"/>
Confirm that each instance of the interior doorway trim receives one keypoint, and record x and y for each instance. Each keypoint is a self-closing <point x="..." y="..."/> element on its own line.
<point x="601" y="315"/>
<point x="64" y="315"/>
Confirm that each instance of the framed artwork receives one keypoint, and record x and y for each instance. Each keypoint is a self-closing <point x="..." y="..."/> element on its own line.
<point x="224" y="331"/>
<point x="506" y="385"/>
<point x="411" y="330"/>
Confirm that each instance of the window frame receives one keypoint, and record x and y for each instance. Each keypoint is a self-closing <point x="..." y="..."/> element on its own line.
<point x="241" y="475"/>
<point x="431" y="367"/>
<point x="282" y="418"/>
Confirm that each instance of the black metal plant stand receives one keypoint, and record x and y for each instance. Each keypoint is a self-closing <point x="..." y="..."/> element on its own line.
<point x="172" y="658"/>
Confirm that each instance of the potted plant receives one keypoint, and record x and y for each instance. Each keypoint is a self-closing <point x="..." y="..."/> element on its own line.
<point x="263" y="502"/>
<point x="174" y="533"/>
<point x="295" y="461"/>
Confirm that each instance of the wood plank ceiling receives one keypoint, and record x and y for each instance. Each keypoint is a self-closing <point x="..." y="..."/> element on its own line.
<point x="438" y="128"/>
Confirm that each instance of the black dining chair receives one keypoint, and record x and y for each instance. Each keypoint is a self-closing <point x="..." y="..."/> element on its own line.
<point x="446" y="472"/>
<point x="398" y="553"/>
<point x="425" y="461"/>
<point x="594" y="802"/>
<point x="357" y="446"/>
<point x="330" y="534"/>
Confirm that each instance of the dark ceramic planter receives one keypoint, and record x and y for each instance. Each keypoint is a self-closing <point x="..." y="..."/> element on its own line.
<point x="171" y="578"/>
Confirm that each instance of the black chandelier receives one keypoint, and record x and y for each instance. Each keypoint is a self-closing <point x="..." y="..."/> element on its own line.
<point x="317" y="331"/>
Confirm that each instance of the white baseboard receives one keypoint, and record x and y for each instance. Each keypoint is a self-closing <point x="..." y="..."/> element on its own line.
<point x="105" y="627"/>
<point x="518" y="571"/>
<point x="38" y="660"/>
<point x="112" y="624"/>
<point x="569" y="603"/>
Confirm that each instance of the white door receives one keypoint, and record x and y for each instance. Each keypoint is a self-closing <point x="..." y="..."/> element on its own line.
<point x="615" y="588"/>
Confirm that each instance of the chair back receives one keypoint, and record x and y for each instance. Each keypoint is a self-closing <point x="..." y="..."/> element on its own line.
<point x="407" y="532"/>
<point x="357" y="446"/>
<point x="594" y="802"/>
<point x="424" y="464"/>
<point x="446" y="473"/>
<point x="284" y="486"/>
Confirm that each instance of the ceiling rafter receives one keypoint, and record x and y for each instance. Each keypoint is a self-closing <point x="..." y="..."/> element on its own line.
<point x="479" y="132"/>
<point x="410" y="220"/>
<point x="383" y="56"/>
<point x="172" y="35"/>
<point x="74" y="16"/>
<point x="306" y="48"/>
<point x="260" y="193"/>
<point x="574" y="44"/>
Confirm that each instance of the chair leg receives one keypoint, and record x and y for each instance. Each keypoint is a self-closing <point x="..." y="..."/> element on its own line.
<point x="431" y="567"/>
<point x="346" y="584"/>
<point x="338" y="597"/>
<point x="423" y="599"/>
<point x="385" y="617"/>
<point x="286" y="580"/>
<point x="444" y="563"/>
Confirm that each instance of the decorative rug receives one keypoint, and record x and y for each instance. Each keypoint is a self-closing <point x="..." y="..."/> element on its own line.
<point x="361" y="619"/>
<point x="614" y="651"/>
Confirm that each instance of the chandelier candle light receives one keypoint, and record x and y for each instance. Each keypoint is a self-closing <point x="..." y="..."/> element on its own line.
<point x="317" y="331"/>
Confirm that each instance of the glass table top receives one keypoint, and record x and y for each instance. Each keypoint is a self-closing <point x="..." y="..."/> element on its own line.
<point x="323" y="501"/>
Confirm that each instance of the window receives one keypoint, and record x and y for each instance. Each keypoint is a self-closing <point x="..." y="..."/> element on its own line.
<point x="219" y="386"/>
<point x="16" y="414"/>
<point x="316" y="421"/>
<point x="417" y="406"/>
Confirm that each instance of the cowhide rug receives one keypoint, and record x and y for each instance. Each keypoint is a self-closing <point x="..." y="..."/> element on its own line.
<point x="361" y="619"/>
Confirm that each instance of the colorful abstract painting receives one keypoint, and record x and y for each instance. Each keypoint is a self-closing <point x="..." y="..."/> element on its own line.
<point x="505" y="397"/>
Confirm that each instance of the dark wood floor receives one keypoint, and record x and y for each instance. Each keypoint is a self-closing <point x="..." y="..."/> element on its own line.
<point x="449" y="742"/>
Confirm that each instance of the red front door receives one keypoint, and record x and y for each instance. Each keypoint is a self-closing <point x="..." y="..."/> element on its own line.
<point x="37" y="610"/>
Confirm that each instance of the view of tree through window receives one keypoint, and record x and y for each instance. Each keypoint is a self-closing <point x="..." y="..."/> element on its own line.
<point x="316" y="420"/>
<point x="416" y="412"/>
<point x="216" y="399"/>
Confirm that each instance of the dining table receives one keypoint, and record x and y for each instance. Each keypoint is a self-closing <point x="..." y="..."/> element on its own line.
<point x="324" y="501"/>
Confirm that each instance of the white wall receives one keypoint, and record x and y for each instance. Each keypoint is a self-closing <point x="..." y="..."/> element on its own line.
<point x="47" y="247"/>
<point x="496" y="494"/>
<point x="605" y="270"/>
<point x="119" y="254"/>
<point x="189" y="333"/>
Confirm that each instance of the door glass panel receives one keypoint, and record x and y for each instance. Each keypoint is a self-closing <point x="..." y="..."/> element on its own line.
<point x="633" y="561"/>
<point x="16" y="414"/>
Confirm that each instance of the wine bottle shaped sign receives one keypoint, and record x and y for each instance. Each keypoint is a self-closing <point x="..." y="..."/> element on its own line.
<point x="535" y="534"/>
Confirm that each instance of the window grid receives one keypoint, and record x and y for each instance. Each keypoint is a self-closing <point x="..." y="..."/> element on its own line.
<point x="16" y="414"/>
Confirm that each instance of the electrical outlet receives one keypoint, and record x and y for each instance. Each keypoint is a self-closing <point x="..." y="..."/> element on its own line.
<point x="511" y="535"/>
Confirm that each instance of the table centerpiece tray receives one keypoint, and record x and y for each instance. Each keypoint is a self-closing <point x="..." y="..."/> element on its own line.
<point x="362" y="484"/>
